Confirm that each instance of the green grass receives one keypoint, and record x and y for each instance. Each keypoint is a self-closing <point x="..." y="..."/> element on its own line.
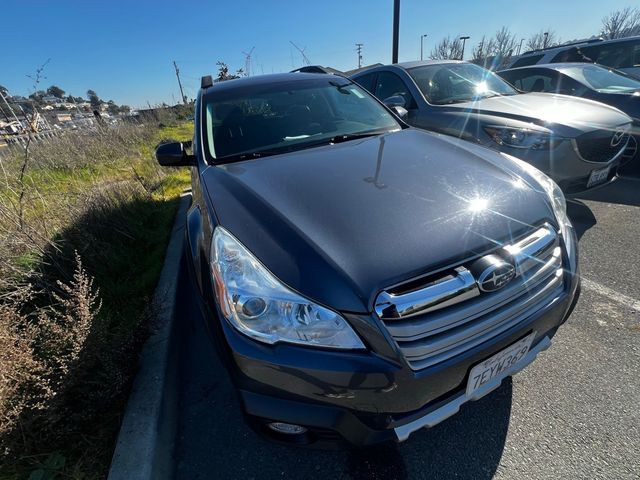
<point x="122" y="243"/>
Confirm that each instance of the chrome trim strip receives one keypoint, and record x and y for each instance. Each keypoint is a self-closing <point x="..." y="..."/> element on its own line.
<point x="441" y="322"/>
<point x="436" y="350"/>
<point x="528" y="247"/>
<point x="462" y="286"/>
<point x="445" y="411"/>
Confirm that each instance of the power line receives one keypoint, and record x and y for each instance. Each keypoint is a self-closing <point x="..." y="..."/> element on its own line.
<point x="184" y="99"/>
<point x="359" y="50"/>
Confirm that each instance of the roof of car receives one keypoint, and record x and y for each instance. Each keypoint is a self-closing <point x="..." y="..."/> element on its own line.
<point x="419" y="63"/>
<point x="264" y="80"/>
<point x="406" y="65"/>
<point x="551" y="66"/>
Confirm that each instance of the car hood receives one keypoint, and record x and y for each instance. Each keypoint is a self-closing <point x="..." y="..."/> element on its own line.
<point x="547" y="109"/>
<point x="338" y="223"/>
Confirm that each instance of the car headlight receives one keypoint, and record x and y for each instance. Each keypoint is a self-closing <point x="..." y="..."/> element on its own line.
<point x="521" y="137"/>
<point x="553" y="193"/>
<point x="256" y="303"/>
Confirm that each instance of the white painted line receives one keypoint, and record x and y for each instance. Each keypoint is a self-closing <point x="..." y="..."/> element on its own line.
<point x="612" y="294"/>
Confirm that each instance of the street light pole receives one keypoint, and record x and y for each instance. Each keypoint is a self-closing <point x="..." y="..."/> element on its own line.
<point x="396" y="30"/>
<point x="421" y="46"/>
<point x="464" y="40"/>
<point x="520" y="47"/>
<point x="546" y="36"/>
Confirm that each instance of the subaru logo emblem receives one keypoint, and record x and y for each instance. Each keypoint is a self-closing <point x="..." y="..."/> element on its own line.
<point x="492" y="273"/>
<point x="617" y="138"/>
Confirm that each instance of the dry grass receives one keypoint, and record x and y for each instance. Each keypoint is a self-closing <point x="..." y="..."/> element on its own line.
<point x="84" y="221"/>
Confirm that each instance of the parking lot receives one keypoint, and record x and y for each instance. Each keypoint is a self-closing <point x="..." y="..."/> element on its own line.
<point x="572" y="414"/>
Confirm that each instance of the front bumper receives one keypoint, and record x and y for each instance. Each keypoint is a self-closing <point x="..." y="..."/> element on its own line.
<point x="565" y="166"/>
<point x="373" y="396"/>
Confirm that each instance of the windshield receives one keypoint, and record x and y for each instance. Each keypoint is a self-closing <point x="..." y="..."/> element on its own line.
<point x="601" y="79"/>
<point x="442" y="84"/>
<point x="277" y="117"/>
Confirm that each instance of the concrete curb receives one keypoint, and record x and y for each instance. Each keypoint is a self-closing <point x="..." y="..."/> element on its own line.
<point x="145" y="442"/>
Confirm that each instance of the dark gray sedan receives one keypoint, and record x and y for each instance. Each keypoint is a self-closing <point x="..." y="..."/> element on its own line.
<point x="578" y="143"/>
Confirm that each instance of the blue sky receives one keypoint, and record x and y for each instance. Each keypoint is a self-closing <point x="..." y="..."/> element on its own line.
<point x="124" y="49"/>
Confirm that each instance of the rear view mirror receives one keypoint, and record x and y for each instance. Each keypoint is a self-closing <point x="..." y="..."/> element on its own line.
<point x="395" y="101"/>
<point x="174" y="154"/>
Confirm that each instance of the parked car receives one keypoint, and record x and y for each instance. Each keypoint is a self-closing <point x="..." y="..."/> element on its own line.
<point x="584" y="80"/>
<point x="359" y="278"/>
<point x="577" y="142"/>
<point x="621" y="53"/>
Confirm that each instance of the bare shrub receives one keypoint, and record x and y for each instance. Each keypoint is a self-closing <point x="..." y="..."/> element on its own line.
<point x="40" y="360"/>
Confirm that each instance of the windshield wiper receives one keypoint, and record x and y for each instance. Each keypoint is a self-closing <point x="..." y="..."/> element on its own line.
<point x="354" y="136"/>
<point x="237" y="157"/>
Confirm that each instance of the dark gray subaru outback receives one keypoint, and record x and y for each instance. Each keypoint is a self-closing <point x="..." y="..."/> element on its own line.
<point x="359" y="278"/>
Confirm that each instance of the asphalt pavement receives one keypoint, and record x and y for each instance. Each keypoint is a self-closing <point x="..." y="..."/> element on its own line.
<point x="574" y="413"/>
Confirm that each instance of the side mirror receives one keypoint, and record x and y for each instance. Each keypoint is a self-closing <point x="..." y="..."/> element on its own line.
<point x="395" y="101"/>
<point x="174" y="154"/>
<point x="401" y="112"/>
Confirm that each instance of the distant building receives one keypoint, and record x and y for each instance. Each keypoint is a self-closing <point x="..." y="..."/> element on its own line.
<point x="51" y="99"/>
<point x="63" y="117"/>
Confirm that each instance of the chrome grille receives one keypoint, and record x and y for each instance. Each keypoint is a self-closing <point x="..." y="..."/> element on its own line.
<point x="601" y="146"/>
<point x="448" y="314"/>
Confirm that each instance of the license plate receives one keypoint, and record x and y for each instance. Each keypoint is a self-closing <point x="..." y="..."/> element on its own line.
<point x="598" y="176"/>
<point x="500" y="364"/>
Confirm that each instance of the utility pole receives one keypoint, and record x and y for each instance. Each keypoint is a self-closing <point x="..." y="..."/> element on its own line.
<point x="359" y="50"/>
<point x="520" y="47"/>
<point x="396" y="31"/>
<point x="546" y="37"/>
<point x="464" y="40"/>
<point x="184" y="99"/>
<point x="422" y="37"/>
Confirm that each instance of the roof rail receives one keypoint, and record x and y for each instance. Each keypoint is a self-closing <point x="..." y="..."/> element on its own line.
<point x="579" y="42"/>
<point x="206" y="81"/>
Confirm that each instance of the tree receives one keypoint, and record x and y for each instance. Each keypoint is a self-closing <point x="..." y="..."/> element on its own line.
<point x="55" y="91"/>
<point x="537" y="40"/>
<point x="621" y="23"/>
<point x="4" y="90"/>
<point x="495" y="51"/>
<point x="125" y="108"/>
<point x="112" y="108"/>
<point x="36" y="97"/>
<point x="223" y="72"/>
<point x="94" y="99"/>
<point x="505" y="43"/>
<point x="483" y="50"/>
<point x="447" y="49"/>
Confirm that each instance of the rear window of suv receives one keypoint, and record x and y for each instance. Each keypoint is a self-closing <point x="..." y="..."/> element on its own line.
<point x="526" y="61"/>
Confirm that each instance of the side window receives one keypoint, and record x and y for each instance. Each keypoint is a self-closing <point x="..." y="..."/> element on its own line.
<point x="538" y="82"/>
<point x="390" y="84"/>
<point x="513" y="78"/>
<point x="366" y="81"/>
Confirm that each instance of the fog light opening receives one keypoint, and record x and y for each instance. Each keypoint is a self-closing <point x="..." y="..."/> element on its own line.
<point x="287" y="428"/>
